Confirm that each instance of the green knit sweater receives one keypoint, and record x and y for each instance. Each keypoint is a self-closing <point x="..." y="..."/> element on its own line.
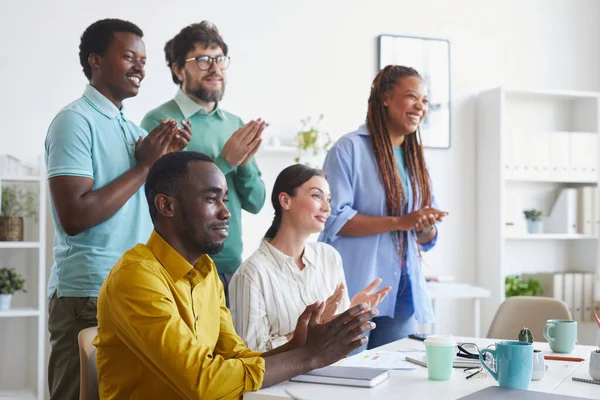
<point x="246" y="188"/>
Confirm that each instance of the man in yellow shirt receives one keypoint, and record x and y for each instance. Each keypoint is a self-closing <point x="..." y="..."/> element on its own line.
<point x="164" y="331"/>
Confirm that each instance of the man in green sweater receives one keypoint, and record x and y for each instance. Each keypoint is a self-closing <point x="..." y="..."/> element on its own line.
<point x="197" y="57"/>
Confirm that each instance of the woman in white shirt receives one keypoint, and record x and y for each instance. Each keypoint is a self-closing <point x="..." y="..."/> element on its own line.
<point x="286" y="274"/>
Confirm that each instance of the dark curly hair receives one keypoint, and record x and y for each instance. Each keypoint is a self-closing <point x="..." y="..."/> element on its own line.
<point x="99" y="36"/>
<point x="176" y="49"/>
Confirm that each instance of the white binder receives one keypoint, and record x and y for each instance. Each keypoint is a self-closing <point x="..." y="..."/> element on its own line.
<point x="563" y="217"/>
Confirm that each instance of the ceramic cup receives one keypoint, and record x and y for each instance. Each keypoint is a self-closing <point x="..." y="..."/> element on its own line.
<point x="561" y="335"/>
<point x="514" y="363"/>
<point x="440" y="357"/>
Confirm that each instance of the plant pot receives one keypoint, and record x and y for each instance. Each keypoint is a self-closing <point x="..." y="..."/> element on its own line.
<point x="534" y="226"/>
<point x="11" y="229"/>
<point x="539" y="366"/>
<point x="595" y="365"/>
<point x="307" y="139"/>
<point x="5" y="300"/>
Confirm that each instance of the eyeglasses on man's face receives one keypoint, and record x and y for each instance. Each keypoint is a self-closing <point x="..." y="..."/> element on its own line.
<point x="205" y="62"/>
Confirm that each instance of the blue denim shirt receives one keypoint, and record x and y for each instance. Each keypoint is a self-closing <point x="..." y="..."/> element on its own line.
<point x="356" y="188"/>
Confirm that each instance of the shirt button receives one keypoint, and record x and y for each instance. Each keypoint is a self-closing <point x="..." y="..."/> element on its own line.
<point x="396" y="273"/>
<point x="191" y="273"/>
<point x="196" y="318"/>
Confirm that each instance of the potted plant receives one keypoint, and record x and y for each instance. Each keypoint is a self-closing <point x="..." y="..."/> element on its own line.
<point x="534" y="220"/>
<point x="539" y="366"/>
<point x="311" y="140"/>
<point x="16" y="204"/>
<point x="516" y="286"/>
<point x="10" y="282"/>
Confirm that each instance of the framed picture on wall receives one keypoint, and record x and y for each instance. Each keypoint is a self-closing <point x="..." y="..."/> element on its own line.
<point x="431" y="58"/>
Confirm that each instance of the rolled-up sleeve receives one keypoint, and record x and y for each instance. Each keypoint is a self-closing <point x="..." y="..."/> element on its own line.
<point x="339" y="168"/>
<point x="149" y="323"/>
<point x="431" y="244"/>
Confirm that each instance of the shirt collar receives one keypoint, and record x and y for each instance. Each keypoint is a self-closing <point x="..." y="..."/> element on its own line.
<point x="309" y="256"/>
<point x="189" y="107"/>
<point x="362" y="130"/>
<point x="172" y="261"/>
<point x="102" y="103"/>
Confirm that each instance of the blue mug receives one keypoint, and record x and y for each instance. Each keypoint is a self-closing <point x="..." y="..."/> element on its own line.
<point x="514" y="363"/>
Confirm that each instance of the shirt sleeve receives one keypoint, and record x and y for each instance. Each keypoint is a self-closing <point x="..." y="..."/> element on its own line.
<point x="69" y="146"/>
<point x="148" y="322"/>
<point x="250" y="316"/>
<point x="338" y="166"/>
<point x="431" y="244"/>
<point x="341" y="277"/>
<point x="250" y="187"/>
<point x="150" y="122"/>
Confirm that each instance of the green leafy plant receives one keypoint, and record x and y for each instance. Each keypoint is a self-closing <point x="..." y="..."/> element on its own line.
<point x="533" y="215"/>
<point x="312" y="137"/>
<point x="525" y="336"/>
<point x="517" y="286"/>
<point x="18" y="203"/>
<point x="11" y="281"/>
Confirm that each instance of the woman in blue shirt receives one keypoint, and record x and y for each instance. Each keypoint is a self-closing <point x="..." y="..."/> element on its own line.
<point x="382" y="206"/>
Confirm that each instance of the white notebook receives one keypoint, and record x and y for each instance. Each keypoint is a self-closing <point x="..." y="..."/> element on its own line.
<point x="345" y="376"/>
<point x="459" y="362"/>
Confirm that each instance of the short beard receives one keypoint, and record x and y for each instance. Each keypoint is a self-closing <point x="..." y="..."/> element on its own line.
<point x="209" y="96"/>
<point x="211" y="248"/>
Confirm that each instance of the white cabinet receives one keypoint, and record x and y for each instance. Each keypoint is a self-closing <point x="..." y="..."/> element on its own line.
<point x="23" y="327"/>
<point x="531" y="146"/>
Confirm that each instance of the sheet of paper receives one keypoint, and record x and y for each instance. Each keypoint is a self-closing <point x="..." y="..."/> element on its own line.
<point x="378" y="359"/>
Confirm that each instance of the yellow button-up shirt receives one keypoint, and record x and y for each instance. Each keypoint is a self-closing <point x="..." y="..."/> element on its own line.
<point x="164" y="331"/>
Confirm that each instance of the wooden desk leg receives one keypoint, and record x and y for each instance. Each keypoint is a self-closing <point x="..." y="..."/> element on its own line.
<point x="476" y="316"/>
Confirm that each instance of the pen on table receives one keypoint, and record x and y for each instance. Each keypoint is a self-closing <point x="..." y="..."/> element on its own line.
<point x="562" y="358"/>
<point x="586" y="380"/>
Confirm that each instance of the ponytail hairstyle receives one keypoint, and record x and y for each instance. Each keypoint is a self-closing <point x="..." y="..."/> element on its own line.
<point x="383" y="86"/>
<point x="288" y="181"/>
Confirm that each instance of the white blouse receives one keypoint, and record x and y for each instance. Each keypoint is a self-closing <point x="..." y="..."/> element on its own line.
<point x="269" y="292"/>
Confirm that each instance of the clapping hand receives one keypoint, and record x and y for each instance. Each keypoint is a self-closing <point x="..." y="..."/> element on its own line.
<point x="244" y="143"/>
<point x="371" y="299"/>
<point x="332" y="303"/>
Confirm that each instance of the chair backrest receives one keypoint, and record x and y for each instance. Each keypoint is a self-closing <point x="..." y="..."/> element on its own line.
<point x="88" y="389"/>
<point x="519" y="312"/>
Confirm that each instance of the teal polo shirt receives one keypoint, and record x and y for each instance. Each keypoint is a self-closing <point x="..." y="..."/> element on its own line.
<point x="210" y="131"/>
<point x="91" y="138"/>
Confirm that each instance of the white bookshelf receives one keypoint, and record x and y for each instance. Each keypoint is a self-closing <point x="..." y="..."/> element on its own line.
<point x="518" y="142"/>
<point x="23" y="327"/>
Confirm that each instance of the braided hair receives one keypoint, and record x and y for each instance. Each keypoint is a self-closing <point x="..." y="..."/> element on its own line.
<point x="383" y="86"/>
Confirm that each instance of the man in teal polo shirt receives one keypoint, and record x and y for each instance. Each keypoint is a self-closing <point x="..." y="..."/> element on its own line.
<point x="97" y="163"/>
<point x="197" y="58"/>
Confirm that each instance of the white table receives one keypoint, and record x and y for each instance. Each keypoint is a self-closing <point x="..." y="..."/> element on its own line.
<point x="448" y="290"/>
<point x="414" y="384"/>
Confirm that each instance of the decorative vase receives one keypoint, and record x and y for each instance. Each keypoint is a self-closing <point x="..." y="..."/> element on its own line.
<point x="534" y="226"/>
<point x="5" y="300"/>
<point x="11" y="229"/>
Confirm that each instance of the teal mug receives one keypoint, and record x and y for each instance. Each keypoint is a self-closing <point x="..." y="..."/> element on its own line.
<point x="561" y="335"/>
<point x="514" y="363"/>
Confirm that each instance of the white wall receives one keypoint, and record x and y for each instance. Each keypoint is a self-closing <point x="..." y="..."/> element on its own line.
<point x="295" y="59"/>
